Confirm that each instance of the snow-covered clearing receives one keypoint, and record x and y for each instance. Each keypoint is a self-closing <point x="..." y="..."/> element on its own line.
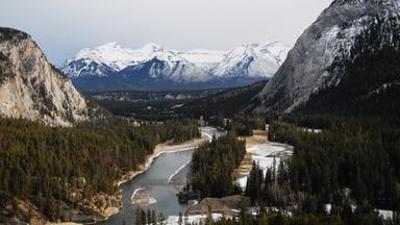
<point x="264" y="155"/>
<point x="196" y="219"/>
<point x="385" y="214"/>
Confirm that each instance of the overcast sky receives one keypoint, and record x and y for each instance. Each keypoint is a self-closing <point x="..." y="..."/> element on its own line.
<point x="63" y="27"/>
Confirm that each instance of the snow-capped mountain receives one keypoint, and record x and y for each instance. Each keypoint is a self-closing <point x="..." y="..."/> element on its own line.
<point x="113" y="67"/>
<point x="349" y="36"/>
<point x="259" y="60"/>
<point x="105" y="59"/>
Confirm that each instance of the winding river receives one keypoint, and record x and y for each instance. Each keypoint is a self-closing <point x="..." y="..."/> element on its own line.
<point x="155" y="181"/>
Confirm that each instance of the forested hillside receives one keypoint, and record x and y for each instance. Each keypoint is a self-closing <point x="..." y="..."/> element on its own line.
<point x="213" y="164"/>
<point x="366" y="88"/>
<point x="359" y="148"/>
<point x="351" y="155"/>
<point x="148" y="105"/>
<point x="44" y="164"/>
<point x="226" y="103"/>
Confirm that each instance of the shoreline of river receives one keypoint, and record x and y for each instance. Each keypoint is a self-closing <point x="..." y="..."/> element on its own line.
<point x="158" y="151"/>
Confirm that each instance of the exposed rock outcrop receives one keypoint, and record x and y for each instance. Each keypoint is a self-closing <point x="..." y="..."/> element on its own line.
<point x="31" y="88"/>
<point x="345" y="31"/>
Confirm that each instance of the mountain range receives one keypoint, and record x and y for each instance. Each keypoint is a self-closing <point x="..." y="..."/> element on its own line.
<point x="113" y="67"/>
<point x="347" y="61"/>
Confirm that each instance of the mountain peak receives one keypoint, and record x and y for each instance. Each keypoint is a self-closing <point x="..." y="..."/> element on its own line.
<point x="109" y="45"/>
<point x="152" y="47"/>
<point x="99" y="50"/>
<point x="252" y="61"/>
<point x="10" y="33"/>
<point x="375" y="2"/>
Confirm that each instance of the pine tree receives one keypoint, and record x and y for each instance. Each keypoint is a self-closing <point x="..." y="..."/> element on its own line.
<point x="148" y="217"/>
<point x="161" y="218"/>
<point x="153" y="217"/>
<point x="139" y="217"/>
<point x="180" y="219"/>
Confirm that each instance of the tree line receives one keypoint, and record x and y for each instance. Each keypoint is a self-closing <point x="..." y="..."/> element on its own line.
<point x="213" y="164"/>
<point x="267" y="217"/>
<point x="241" y="125"/>
<point x="270" y="188"/>
<point x="148" y="217"/>
<point x="351" y="166"/>
<point x="350" y="156"/>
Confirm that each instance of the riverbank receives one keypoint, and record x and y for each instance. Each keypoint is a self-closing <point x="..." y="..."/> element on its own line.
<point x="162" y="148"/>
<point x="140" y="197"/>
<point x="259" y="150"/>
<point x="258" y="137"/>
<point x="154" y="181"/>
<point x="108" y="210"/>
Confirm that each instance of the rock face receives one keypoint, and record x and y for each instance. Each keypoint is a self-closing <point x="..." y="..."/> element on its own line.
<point x="31" y="88"/>
<point x="113" y="67"/>
<point x="343" y="33"/>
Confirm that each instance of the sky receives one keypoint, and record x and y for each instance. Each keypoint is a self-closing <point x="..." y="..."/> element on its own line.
<point x="63" y="27"/>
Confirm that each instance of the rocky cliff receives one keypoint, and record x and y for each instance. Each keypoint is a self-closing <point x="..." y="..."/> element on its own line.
<point x="343" y="38"/>
<point x="31" y="88"/>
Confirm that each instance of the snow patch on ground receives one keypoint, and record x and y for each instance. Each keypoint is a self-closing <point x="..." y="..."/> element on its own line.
<point x="264" y="155"/>
<point x="385" y="214"/>
<point x="192" y="219"/>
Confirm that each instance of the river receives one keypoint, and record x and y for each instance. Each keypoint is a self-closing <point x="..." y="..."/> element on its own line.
<point x="155" y="180"/>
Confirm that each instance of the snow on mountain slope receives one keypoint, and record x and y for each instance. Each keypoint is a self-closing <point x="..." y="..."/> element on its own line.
<point x="153" y="62"/>
<point x="258" y="60"/>
<point x="110" y="55"/>
<point x="205" y="59"/>
<point x="166" y="66"/>
<point x="319" y="58"/>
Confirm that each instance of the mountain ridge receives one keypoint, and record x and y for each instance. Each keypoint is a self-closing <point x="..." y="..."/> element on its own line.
<point x="95" y="68"/>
